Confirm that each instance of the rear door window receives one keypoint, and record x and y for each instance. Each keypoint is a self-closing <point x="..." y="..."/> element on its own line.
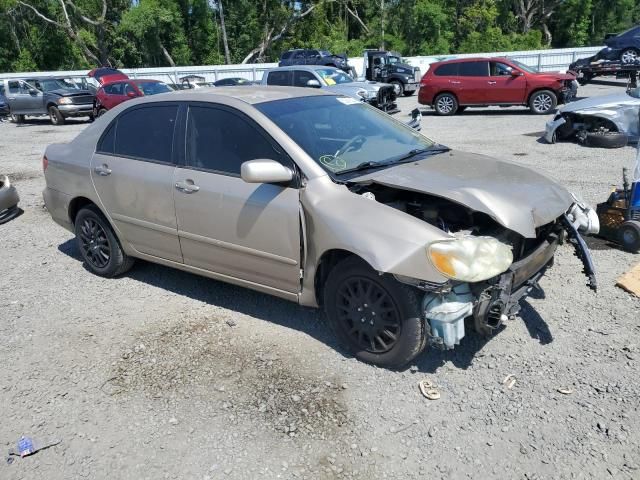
<point x="473" y="69"/>
<point x="447" y="70"/>
<point x="279" y="78"/>
<point x="147" y="133"/>
<point x="14" y="87"/>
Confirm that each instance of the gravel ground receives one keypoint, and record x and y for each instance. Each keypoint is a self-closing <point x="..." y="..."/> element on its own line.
<point x="163" y="374"/>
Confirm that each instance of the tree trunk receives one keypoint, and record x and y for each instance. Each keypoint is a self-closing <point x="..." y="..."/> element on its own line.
<point x="167" y="56"/>
<point x="225" y="41"/>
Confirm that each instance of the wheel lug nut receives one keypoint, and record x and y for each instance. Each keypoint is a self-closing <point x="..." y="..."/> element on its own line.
<point x="365" y="305"/>
<point x="362" y="319"/>
<point x="371" y="322"/>
<point x="359" y="309"/>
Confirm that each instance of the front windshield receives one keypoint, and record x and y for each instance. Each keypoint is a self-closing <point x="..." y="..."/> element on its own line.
<point x="333" y="76"/>
<point x="153" y="88"/>
<point x="524" y="67"/>
<point x="630" y="32"/>
<point x="342" y="133"/>
<point x="53" y="84"/>
<point x="393" y="59"/>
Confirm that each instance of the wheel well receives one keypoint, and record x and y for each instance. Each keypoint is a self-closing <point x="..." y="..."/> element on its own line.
<point x="445" y="91"/>
<point x="540" y="90"/>
<point x="327" y="262"/>
<point x="51" y="104"/>
<point x="76" y="205"/>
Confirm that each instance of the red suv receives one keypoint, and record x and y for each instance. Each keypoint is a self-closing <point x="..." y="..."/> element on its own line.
<point x="454" y="85"/>
<point x="112" y="94"/>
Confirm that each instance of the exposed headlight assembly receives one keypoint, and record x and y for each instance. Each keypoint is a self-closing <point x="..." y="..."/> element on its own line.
<point x="362" y="93"/>
<point x="64" y="101"/>
<point x="469" y="258"/>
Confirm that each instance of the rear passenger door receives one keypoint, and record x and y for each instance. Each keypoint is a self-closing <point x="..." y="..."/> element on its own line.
<point x="240" y="230"/>
<point x="132" y="171"/>
<point x="279" y="77"/>
<point x="473" y="77"/>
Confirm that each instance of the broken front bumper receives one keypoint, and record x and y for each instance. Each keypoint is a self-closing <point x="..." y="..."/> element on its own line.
<point x="551" y="127"/>
<point x="8" y="200"/>
<point x="493" y="301"/>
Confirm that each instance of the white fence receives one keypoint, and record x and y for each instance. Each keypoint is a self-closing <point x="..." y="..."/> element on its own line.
<point x="544" y="60"/>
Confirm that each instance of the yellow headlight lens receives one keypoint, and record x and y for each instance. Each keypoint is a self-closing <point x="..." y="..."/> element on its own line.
<point x="469" y="258"/>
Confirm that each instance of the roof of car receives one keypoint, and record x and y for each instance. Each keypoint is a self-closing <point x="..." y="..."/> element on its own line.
<point x="249" y="94"/>
<point x="309" y="68"/>
<point x="473" y="59"/>
<point x="132" y="80"/>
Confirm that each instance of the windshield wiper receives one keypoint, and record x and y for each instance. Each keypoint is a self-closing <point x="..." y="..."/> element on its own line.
<point x="361" y="166"/>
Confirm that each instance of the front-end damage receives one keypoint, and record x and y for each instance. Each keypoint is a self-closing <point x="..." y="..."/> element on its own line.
<point x="489" y="301"/>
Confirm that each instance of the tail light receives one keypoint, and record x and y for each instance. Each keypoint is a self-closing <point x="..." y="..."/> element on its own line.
<point x="45" y="163"/>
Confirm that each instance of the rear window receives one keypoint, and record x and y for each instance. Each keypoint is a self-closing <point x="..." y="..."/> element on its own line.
<point x="474" y="69"/>
<point x="147" y="133"/>
<point x="448" y="69"/>
<point x="279" y="78"/>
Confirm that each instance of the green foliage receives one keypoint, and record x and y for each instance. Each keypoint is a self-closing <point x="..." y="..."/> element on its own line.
<point x="137" y="33"/>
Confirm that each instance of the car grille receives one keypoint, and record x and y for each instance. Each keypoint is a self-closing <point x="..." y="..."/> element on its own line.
<point x="81" y="99"/>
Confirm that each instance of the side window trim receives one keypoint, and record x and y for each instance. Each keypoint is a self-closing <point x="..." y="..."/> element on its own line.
<point x="295" y="183"/>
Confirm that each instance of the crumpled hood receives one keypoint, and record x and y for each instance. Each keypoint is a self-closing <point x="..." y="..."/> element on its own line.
<point x="516" y="197"/>
<point x="603" y="102"/>
<point x="556" y="75"/>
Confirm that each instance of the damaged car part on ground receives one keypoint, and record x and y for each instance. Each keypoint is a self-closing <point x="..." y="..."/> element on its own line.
<point x="610" y="121"/>
<point x="9" y="200"/>
<point x="319" y="199"/>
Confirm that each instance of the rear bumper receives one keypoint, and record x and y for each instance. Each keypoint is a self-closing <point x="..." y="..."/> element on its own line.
<point x="57" y="204"/>
<point x="83" y="110"/>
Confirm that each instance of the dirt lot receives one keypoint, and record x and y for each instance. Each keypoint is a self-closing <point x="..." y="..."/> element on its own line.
<point x="163" y="374"/>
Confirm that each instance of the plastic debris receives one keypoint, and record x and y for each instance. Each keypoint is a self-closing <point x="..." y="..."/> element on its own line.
<point x="429" y="390"/>
<point x="26" y="447"/>
<point x="565" y="391"/>
<point x="509" y="381"/>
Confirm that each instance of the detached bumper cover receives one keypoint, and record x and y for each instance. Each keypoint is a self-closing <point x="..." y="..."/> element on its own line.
<point x="8" y="200"/>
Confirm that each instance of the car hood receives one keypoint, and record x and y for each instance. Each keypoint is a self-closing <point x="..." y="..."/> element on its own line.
<point x="555" y="75"/>
<point x="355" y="86"/>
<point x="516" y="197"/>
<point x="605" y="102"/>
<point x="69" y="92"/>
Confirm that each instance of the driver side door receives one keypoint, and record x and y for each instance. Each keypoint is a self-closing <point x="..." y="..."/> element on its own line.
<point x="239" y="230"/>
<point x="24" y="99"/>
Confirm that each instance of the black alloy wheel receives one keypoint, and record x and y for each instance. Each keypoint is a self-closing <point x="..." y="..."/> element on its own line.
<point x="94" y="243"/>
<point x="368" y="315"/>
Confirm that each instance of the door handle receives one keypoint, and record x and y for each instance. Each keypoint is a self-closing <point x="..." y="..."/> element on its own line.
<point x="11" y="98"/>
<point x="187" y="186"/>
<point x="454" y="82"/>
<point x="103" y="170"/>
<point x="491" y="83"/>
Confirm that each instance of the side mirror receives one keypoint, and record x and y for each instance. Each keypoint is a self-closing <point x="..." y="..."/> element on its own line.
<point x="515" y="73"/>
<point x="131" y="94"/>
<point x="33" y="91"/>
<point x="265" y="171"/>
<point x="313" y="83"/>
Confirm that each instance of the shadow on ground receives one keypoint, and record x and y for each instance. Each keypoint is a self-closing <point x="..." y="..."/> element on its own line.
<point x="307" y="320"/>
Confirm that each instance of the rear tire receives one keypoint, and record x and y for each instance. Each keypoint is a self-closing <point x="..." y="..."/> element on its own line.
<point x="17" y="118"/>
<point x="374" y="316"/>
<point x="543" y="102"/>
<point x="55" y="116"/>
<point x="98" y="244"/>
<point x="445" y="104"/>
<point x="606" y="140"/>
<point x="630" y="235"/>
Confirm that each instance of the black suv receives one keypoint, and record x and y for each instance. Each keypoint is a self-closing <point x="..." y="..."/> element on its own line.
<point x="314" y="57"/>
<point x="626" y="45"/>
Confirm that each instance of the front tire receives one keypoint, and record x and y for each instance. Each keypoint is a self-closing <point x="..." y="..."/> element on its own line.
<point x="398" y="87"/>
<point x="630" y="235"/>
<point x="629" y="55"/>
<point x="606" y="139"/>
<point x="543" y="102"/>
<point x="98" y="245"/>
<point x="55" y="116"/>
<point x="374" y="316"/>
<point x="446" y="104"/>
<point x="17" y="119"/>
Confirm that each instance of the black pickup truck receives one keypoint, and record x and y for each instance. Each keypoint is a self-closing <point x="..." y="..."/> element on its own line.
<point x="303" y="56"/>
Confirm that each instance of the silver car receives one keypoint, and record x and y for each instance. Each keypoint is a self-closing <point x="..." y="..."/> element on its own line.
<point x="598" y="120"/>
<point x="379" y="95"/>
<point x="319" y="199"/>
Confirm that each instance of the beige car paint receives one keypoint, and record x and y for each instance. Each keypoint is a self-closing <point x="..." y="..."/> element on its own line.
<point x="250" y="243"/>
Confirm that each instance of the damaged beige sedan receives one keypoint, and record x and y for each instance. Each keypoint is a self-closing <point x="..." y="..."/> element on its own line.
<point x="319" y="199"/>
